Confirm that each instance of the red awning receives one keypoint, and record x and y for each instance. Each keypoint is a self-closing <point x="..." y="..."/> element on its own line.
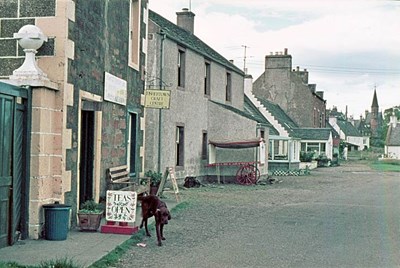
<point x="237" y="144"/>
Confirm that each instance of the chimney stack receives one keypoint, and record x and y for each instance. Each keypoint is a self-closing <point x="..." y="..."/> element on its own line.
<point x="393" y="120"/>
<point x="185" y="20"/>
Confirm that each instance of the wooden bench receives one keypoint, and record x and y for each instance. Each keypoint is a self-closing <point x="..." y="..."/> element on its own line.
<point x="118" y="179"/>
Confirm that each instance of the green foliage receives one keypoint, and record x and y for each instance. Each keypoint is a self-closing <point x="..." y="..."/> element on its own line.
<point x="155" y="177"/>
<point x="377" y="142"/>
<point x="306" y="156"/>
<point x="322" y="160"/>
<point x="90" y="206"/>
<point x="10" y="265"/>
<point x="62" y="263"/>
<point x="387" y="165"/>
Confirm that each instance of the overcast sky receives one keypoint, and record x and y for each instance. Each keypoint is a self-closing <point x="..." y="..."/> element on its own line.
<point x="348" y="46"/>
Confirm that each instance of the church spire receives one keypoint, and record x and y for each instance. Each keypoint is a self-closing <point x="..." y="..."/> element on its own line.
<point x="375" y="100"/>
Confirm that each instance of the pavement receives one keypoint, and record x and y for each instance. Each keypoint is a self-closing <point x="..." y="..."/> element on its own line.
<point x="83" y="248"/>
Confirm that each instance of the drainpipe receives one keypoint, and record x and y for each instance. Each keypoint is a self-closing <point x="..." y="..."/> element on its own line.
<point x="160" y="110"/>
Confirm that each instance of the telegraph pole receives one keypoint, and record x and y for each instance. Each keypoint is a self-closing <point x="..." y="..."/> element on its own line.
<point x="244" y="58"/>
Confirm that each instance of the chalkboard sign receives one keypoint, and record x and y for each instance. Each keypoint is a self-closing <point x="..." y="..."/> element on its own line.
<point x="121" y="206"/>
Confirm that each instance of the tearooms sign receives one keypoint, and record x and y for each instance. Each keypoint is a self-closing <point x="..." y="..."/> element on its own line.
<point x="121" y="206"/>
<point x="158" y="99"/>
<point x="115" y="89"/>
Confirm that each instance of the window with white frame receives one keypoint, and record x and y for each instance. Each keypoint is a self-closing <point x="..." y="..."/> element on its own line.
<point x="180" y="149"/>
<point x="278" y="150"/>
<point x="207" y="80"/>
<point x="228" y="87"/>
<point x="181" y="67"/>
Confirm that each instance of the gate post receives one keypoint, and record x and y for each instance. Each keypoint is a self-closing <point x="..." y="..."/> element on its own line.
<point x="46" y="156"/>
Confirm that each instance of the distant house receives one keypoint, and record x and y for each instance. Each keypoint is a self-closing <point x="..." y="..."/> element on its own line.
<point x="287" y="139"/>
<point x="289" y="88"/>
<point x="348" y="133"/>
<point x="392" y="146"/>
<point x="317" y="140"/>
<point x="364" y="129"/>
<point x="206" y="102"/>
<point x="335" y="138"/>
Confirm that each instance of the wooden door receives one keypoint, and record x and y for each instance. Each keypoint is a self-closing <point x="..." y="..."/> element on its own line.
<point x="6" y="132"/>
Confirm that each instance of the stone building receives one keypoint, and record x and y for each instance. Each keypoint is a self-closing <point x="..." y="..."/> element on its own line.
<point x="289" y="88"/>
<point x="392" y="144"/>
<point x="206" y="104"/>
<point x="85" y="111"/>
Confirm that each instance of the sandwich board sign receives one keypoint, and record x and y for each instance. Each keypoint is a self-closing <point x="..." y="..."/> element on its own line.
<point x="169" y="172"/>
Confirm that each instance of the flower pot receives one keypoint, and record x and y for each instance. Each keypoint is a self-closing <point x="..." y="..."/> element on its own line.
<point x="89" y="221"/>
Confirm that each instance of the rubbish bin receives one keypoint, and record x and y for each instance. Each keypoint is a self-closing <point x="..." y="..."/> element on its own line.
<point x="56" y="221"/>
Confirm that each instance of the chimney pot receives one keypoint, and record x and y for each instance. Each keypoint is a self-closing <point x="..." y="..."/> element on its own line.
<point x="285" y="51"/>
<point x="185" y="20"/>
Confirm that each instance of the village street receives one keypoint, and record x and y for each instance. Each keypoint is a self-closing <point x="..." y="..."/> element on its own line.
<point x="346" y="216"/>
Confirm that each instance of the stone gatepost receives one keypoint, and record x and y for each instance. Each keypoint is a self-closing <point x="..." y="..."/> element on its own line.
<point x="46" y="131"/>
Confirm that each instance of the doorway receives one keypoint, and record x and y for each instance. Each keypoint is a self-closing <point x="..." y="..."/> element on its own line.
<point x="87" y="143"/>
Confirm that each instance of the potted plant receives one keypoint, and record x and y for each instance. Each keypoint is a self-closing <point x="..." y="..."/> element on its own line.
<point x="155" y="180"/>
<point x="90" y="215"/>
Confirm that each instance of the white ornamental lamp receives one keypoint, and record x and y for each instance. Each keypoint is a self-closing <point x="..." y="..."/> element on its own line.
<point x="30" y="38"/>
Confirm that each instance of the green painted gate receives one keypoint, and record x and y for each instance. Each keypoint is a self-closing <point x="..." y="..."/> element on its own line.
<point x="14" y="150"/>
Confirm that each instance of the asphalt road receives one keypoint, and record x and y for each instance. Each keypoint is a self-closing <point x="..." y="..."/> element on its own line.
<point x="346" y="216"/>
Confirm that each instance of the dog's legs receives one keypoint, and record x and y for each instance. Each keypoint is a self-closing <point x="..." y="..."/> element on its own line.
<point x="145" y="226"/>
<point x="162" y="231"/>
<point x="158" y="234"/>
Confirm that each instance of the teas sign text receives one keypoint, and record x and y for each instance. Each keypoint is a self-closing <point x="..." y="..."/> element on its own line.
<point x="121" y="206"/>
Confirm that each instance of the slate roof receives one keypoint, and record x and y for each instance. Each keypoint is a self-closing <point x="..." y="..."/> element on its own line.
<point x="393" y="135"/>
<point x="348" y="128"/>
<point x="253" y="110"/>
<point x="235" y="110"/>
<point x="189" y="40"/>
<point x="320" y="134"/>
<point x="280" y="115"/>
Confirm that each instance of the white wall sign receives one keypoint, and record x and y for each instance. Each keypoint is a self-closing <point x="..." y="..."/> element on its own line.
<point x="115" y="89"/>
<point x="121" y="206"/>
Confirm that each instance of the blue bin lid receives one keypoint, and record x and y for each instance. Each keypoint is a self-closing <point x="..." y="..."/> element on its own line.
<point x="56" y="206"/>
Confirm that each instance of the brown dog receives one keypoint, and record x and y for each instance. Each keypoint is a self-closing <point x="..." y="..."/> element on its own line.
<point x="153" y="206"/>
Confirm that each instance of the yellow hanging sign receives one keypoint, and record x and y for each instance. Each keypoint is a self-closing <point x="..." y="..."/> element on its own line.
<point x="158" y="99"/>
